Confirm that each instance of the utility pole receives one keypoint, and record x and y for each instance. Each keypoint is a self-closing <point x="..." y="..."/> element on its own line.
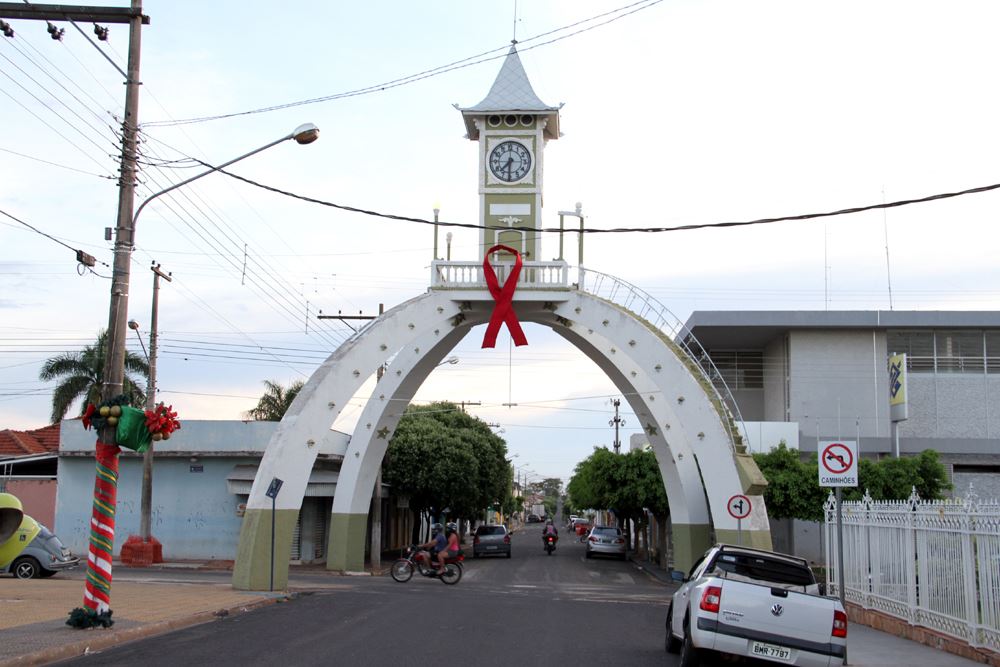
<point x="147" y="457"/>
<point x="616" y="422"/>
<point x="464" y="403"/>
<point x="97" y="595"/>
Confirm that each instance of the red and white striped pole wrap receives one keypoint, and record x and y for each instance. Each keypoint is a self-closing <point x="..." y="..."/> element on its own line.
<point x="97" y="595"/>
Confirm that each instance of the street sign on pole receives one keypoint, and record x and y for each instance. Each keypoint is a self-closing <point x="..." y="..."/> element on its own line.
<point x="838" y="463"/>
<point x="739" y="507"/>
<point x="272" y="493"/>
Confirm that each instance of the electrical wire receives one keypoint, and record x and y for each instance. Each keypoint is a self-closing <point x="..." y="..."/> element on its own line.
<point x="56" y="164"/>
<point x="626" y="230"/>
<point x="426" y="74"/>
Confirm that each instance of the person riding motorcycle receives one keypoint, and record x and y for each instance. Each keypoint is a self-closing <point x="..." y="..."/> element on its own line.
<point x="452" y="546"/>
<point x="550" y="530"/>
<point x="430" y="551"/>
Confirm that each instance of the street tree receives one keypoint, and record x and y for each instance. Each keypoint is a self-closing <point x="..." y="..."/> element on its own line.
<point x="275" y="401"/>
<point x="629" y="484"/>
<point x="441" y="457"/>
<point x="80" y="375"/>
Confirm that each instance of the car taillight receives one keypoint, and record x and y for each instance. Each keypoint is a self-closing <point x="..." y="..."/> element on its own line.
<point x="711" y="598"/>
<point x="620" y="540"/>
<point x="506" y="539"/>
<point x="475" y="540"/>
<point x="839" y="624"/>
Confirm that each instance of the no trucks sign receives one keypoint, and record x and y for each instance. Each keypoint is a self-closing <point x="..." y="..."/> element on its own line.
<point x="838" y="463"/>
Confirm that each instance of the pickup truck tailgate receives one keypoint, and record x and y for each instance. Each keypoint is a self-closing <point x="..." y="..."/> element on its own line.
<point x="758" y="608"/>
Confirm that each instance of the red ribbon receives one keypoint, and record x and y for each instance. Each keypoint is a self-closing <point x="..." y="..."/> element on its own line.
<point x="503" y="312"/>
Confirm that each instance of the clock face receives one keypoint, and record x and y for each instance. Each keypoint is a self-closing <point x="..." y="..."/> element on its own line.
<point x="510" y="161"/>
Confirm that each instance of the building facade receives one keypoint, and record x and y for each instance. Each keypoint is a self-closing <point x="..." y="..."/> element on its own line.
<point x="825" y="374"/>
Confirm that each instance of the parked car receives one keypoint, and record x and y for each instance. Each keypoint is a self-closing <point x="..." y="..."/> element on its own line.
<point x="606" y="540"/>
<point x="755" y="603"/>
<point x="491" y="540"/>
<point x="534" y="518"/>
<point x="43" y="557"/>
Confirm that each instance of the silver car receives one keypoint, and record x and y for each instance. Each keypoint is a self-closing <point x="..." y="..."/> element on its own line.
<point x="490" y="540"/>
<point x="42" y="558"/>
<point x="606" y="540"/>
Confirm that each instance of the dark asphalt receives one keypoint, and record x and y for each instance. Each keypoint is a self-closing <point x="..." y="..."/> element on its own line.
<point x="531" y="609"/>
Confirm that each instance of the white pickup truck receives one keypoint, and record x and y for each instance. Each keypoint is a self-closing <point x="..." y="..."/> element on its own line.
<point x="755" y="603"/>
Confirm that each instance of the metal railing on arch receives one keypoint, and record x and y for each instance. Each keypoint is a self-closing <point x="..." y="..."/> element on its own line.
<point x="648" y="308"/>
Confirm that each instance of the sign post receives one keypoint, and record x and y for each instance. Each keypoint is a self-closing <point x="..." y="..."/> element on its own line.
<point x="838" y="467"/>
<point x="898" y="402"/>
<point x="272" y="493"/>
<point x="739" y="507"/>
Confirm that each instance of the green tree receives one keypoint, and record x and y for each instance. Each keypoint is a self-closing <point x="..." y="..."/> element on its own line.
<point x="629" y="484"/>
<point x="275" y="401"/>
<point x="80" y="375"/>
<point x="442" y="457"/>
<point x="793" y="489"/>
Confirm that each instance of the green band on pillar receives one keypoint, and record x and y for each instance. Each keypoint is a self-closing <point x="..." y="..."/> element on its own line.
<point x="252" y="570"/>
<point x="690" y="541"/>
<point x="346" y="548"/>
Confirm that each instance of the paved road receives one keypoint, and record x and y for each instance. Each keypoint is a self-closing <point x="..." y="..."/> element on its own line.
<point x="531" y="609"/>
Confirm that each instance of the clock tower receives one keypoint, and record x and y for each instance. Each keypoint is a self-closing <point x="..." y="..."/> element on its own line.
<point x="512" y="126"/>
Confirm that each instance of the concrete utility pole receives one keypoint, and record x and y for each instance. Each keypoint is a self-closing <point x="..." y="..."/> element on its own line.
<point x="147" y="457"/>
<point x="97" y="595"/>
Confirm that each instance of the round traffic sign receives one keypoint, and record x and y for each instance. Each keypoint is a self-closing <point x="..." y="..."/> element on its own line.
<point x="837" y="458"/>
<point x="739" y="507"/>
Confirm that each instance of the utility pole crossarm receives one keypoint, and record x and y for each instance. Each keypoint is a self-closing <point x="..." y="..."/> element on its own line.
<point x="18" y="10"/>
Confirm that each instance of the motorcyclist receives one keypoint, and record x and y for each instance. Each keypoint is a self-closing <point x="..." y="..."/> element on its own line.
<point x="438" y="544"/>
<point x="451" y="547"/>
<point x="550" y="530"/>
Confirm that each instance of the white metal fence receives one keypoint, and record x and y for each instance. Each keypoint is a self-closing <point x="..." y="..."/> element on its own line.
<point x="934" y="564"/>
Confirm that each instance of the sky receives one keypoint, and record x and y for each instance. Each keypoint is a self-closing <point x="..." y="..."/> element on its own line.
<point x="676" y="112"/>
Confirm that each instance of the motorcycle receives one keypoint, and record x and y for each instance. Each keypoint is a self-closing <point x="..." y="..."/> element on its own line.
<point x="550" y="543"/>
<point x="403" y="568"/>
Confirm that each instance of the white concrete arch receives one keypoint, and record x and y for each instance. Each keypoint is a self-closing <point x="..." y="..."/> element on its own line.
<point x="685" y="428"/>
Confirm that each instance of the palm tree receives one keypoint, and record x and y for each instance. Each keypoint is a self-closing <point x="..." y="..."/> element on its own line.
<point x="80" y="374"/>
<point x="275" y="402"/>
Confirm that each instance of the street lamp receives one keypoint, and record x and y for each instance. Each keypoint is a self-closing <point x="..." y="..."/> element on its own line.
<point x="114" y="369"/>
<point x="447" y="238"/>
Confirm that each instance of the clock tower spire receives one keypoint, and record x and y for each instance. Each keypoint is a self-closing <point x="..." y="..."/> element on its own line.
<point x="512" y="127"/>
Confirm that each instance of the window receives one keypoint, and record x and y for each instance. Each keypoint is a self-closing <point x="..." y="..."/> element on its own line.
<point x="918" y="346"/>
<point x="959" y="351"/>
<point x="741" y="369"/>
<point x="992" y="351"/>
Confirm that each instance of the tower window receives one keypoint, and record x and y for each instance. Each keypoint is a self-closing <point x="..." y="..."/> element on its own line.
<point x="510" y="120"/>
<point x="527" y="120"/>
<point x="494" y="120"/>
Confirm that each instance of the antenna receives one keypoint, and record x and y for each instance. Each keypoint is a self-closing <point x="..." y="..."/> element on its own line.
<point x="885" y="231"/>
<point x="514" y="39"/>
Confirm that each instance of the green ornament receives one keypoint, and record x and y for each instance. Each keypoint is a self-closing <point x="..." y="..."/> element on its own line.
<point x="131" y="432"/>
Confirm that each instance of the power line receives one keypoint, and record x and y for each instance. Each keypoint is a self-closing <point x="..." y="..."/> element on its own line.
<point x="626" y="230"/>
<point x="436" y="71"/>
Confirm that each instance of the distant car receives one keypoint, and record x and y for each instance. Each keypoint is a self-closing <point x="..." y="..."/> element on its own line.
<point x="534" y="518"/>
<point x="491" y="540"/>
<point x="607" y="541"/>
<point x="43" y="557"/>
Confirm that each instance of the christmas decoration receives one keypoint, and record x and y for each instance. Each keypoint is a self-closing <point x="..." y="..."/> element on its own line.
<point x="97" y="593"/>
<point x="503" y="312"/>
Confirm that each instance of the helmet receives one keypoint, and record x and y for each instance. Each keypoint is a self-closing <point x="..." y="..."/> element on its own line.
<point x="436" y="528"/>
<point x="549" y="522"/>
<point x="451" y="527"/>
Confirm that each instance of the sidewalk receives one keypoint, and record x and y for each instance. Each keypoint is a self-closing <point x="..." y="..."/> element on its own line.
<point x="33" y="614"/>
<point x="866" y="647"/>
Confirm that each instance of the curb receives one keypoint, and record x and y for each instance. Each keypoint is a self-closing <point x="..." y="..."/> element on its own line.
<point x="103" y="639"/>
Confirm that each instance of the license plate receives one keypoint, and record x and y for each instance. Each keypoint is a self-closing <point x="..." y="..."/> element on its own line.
<point x="762" y="650"/>
<point x="490" y="548"/>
